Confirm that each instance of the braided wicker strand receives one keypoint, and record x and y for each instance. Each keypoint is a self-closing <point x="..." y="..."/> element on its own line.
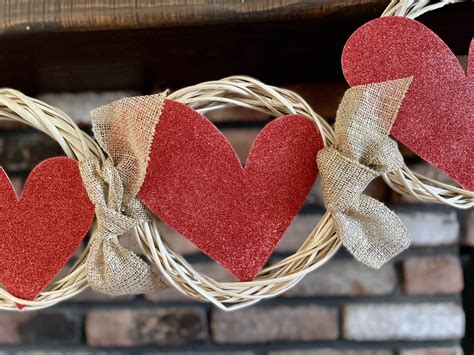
<point x="15" y="106"/>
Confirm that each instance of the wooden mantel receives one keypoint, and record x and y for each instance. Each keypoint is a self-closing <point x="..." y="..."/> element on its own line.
<point x="19" y="16"/>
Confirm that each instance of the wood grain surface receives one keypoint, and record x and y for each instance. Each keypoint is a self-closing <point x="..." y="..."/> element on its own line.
<point x="20" y="16"/>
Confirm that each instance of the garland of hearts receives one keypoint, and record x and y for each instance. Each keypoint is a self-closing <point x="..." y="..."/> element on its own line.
<point x="290" y="142"/>
<point x="277" y="278"/>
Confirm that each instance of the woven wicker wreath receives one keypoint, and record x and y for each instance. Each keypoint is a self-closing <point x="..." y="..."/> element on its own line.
<point x="320" y="245"/>
<point x="14" y="106"/>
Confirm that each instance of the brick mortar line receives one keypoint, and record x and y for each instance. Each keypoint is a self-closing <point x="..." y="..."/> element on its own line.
<point x="438" y="250"/>
<point x="83" y="307"/>
<point x="435" y="250"/>
<point x="394" y="345"/>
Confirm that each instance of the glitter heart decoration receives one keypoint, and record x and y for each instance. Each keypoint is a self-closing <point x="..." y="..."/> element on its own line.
<point x="236" y="215"/>
<point x="40" y="231"/>
<point x="436" y="119"/>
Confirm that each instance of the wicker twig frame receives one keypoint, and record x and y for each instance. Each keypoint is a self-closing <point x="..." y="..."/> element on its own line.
<point x="321" y="244"/>
<point x="15" y="106"/>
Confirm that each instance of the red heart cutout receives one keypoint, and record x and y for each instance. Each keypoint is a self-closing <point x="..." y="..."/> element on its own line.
<point x="436" y="119"/>
<point x="41" y="230"/>
<point x="196" y="184"/>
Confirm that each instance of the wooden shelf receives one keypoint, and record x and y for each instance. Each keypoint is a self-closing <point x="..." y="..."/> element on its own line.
<point x="21" y="16"/>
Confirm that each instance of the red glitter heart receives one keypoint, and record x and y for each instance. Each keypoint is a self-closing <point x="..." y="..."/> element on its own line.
<point x="436" y="119"/>
<point x="40" y="231"/>
<point x="196" y="184"/>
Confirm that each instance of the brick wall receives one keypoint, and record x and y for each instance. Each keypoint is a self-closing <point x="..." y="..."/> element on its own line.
<point x="412" y="306"/>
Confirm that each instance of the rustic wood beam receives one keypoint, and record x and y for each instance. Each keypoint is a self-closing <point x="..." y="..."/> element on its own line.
<point x="20" y="16"/>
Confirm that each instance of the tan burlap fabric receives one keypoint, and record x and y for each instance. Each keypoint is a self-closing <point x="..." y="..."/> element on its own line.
<point x="124" y="129"/>
<point x="362" y="151"/>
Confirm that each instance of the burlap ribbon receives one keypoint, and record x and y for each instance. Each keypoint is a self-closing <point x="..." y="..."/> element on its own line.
<point x="362" y="151"/>
<point x="124" y="129"/>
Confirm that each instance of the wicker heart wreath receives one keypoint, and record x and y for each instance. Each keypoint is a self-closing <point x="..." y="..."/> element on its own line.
<point x="118" y="175"/>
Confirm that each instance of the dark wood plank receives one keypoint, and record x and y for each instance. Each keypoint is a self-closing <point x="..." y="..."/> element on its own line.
<point x="20" y="16"/>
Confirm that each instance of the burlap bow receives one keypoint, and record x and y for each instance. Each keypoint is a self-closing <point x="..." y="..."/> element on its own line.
<point x="362" y="151"/>
<point x="124" y="129"/>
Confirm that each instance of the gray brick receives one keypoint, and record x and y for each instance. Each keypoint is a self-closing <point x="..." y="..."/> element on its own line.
<point x="176" y="241"/>
<point x="454" y="350"/>
<point x="345" y="278"/>
<point x="78" y="105"/>
<point x="38" y="352"/>
<point x="201" y="353"/>
<point x="39" y="328"/>
<point x="469" y="236"/>
<point x="20" y="152"/>
<point x="432" y="275"/>
<point x="431" y="228"/>
<point x="136" y="327"/>
<point x="426" y="321"/>
<point x="298" y="232"/>
<point x="168" y="295"/>
<point x="17" y="183"/>
<point x="241" y="141"/>
<point x="282" y="323"/>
